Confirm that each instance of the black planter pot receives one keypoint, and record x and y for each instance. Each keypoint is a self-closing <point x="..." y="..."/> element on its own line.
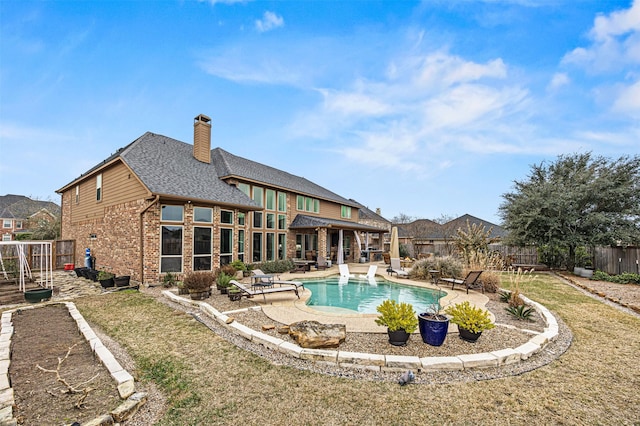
<point x="199" y="295"/>
<point x="122" y="281"/>
<point x="38" y="295"/>
<point x="78" y="272"/>
<point x="235" y="296"/>
<point x="469" y="336"/>
<point x="109" y="282"/>
<point x="398" y="337"/>
<point x="91" y="274"/>
<point x="433" y="329"/>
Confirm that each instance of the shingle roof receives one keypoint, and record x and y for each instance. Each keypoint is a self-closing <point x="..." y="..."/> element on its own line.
<point x="21" y="207"/>
<point x="167" y="166"/>
<point x="366" y="213"/>
<point x="304" y="221"/>
<point x="229" y="165"/>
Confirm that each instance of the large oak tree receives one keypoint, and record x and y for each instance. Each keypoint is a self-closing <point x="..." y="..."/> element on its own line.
<point x="578" y="200"/>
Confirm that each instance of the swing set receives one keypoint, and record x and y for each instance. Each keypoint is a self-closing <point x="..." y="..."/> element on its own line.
<point x="19" y="252"/>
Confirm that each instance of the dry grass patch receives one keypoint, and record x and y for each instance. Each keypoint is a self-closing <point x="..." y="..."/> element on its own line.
<point x="210" y="381"/>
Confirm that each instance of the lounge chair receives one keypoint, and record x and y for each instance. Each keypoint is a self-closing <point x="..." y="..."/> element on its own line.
<point x="321" y="263"/>
<point x="266" y="280"/>
<point x="371" y="273"/>
<point x="344" y="271"/>
<point x="397" y="268"/>
<point x="471" y="281"/>
<point x="263" y="290"/>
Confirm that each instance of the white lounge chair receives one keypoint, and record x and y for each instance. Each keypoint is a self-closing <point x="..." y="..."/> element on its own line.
<point x="266" y="279"/>
<point x="371" y="273"/>
<point x="397" y="268"/>
<point x="344" y="271"/>
<point x="263" y="290"/>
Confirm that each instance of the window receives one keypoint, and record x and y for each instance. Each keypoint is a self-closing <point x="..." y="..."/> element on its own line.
<point x="258" y="196"/>
<point x="171" y="249"/>
<point x="18" y="224"/>
<point x="271" y="248"/>
<point x="241" y="219"/>
<point x="257" y="247"/>
<point x="257" y="219"/>
<point x="282" y="221"/>
<point x="308" y="204"/>
<point x="226" y="217"/>
<point x="282" y="246"/>
<point x="226" y="246"/>
<point x="271" y="199"/>
<point x="201" y="249"/>
<point x="282" y="202"/>
<point x="202" y="214"/>
<point x="241" y="244"/>
<point x="244" y="188"/>
<point x="6" y="223"/>
<point x="99" y="187"/>
<point x="6" y="237"/>
<point x="171" y="213"/>
<point x="77" y="194"/>
<point x="271" y="221"/>
<point x="345" y="212"/>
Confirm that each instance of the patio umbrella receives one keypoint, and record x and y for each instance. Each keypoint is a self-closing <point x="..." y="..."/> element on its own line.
<point x="358" y="250"/>
<point x="394" y="250"/>
<point x="340" y="255"/>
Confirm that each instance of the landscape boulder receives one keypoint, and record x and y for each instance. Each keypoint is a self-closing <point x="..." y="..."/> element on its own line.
<point x="314" y="335"/>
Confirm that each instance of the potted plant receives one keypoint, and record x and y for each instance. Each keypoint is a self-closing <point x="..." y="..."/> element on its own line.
<point x="234" y="293"/>
<point x="198" y="284"/>
<point x="122" y="281"/>
<point x="400" y="320"/>
<point x="181" y="288"/>
<point x="223" y="282"/>
<point x="248" y="268"/>
<point x="433" y="325"/>
<point x="471" y="320"/>
<point x="239" y="266"/>
<point x="106" y="279"/>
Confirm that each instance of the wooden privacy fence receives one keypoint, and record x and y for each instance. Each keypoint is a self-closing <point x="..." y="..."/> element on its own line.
<point x="63" y="251"/>
<point x="617" y="260"/>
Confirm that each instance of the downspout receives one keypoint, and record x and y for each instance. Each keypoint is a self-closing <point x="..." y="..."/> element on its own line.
<point x="155" y="200"/>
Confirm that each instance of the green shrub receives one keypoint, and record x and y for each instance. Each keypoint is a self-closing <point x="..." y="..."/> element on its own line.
<point x="469" y="317"/>
<point x="238" y="265"/>
<point x="397" y="316"/>
<point x="224" y="280"/>
<point x="505" y="296"/>
<point x="521" y="312"/>
<point x="625" y="278"/>
<point x="276" y="266"/>
<point x="169" y="280"/>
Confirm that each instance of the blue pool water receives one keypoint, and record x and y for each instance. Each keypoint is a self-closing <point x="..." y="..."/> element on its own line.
<point x="362" y="296"/>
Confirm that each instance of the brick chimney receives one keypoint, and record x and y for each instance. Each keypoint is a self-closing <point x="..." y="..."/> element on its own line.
<point x="202" y="138"/>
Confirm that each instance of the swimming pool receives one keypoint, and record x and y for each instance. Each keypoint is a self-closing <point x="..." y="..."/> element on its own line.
<point x="362" y="296"/>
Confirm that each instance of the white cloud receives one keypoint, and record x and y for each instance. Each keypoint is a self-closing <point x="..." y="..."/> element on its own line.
<point x="628" y="100"/>
<point x="616" y="42"/>
<point x="269" y="22"/>
<point x="558" y="80"/>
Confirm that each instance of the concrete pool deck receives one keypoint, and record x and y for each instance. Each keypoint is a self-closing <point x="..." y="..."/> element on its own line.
<point x="286" y="308"/>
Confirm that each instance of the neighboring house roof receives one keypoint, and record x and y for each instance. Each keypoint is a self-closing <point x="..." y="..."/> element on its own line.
<point x="425" y="229"/>
<point x="304" y="221"/>
<point x="21" y="207"/>
<point x="229" y="165"/>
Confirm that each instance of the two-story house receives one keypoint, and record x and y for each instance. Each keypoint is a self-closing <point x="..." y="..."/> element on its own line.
<point x="161" y="205"/>
<point x="20" y="214"/>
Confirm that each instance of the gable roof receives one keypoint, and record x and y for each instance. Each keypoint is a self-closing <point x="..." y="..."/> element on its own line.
<point x="368" y="214"/>
<point x="229" y="165"/>
<point x="461" y="222"/>
<point x="426" y="229"/>
<point x="21" y="207"/>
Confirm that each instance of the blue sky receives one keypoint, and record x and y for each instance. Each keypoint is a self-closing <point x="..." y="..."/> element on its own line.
<point x="423" y="108"/>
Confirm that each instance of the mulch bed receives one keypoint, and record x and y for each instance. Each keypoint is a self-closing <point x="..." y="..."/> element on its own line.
<point x="41" y="337"/>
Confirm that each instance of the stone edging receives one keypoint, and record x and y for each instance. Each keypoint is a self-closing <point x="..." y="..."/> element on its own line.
<point x="126" y="387"/>
<point x="378" y="362"/>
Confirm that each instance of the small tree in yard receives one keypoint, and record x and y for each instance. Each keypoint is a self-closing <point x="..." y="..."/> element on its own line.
<point x="578" y="200"/>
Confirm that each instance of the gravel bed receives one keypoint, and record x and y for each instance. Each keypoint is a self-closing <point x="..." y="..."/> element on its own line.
<point x="498" y="338"/>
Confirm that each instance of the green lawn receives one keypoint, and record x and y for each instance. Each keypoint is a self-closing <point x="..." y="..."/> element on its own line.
<point x="209" y="381"/>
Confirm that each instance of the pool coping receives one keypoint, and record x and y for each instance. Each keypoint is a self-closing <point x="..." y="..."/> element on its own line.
<point x="381" y="362"/>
